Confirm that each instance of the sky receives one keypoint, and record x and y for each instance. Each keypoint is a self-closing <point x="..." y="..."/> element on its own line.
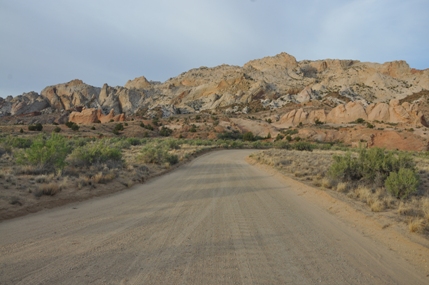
<point x="47" y="42"/>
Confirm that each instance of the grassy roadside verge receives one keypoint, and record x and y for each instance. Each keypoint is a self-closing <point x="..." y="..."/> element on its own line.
<point x="314" y="168"/>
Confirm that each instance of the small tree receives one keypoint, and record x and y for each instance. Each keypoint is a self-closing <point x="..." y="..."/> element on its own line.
<point x="403" y="183"/>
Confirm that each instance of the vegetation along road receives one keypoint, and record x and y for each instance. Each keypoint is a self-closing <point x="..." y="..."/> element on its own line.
<point x="216" y="220"/>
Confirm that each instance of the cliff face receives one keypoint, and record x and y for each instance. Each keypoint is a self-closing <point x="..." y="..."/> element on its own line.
<point x="270" y="82"/>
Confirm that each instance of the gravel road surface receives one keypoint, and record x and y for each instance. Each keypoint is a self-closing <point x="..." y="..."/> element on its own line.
<point x="216" y="220"/>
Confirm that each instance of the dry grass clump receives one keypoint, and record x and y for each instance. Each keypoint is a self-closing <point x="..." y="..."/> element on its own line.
<point x="317" y="181"/>
<point x="83" y="181"/>
<point x="342" y="187"/>
<point x="100" y="177"/>
<point x="376" y="200"/>
<point x="41" y="179"/>
<point x="4" y="172"/>
<point x="327" y="183"/>
<point x="377" y="206"/>
<point x="49" y="189"/>
<point x="416" y="225"/>
<point x="30" y="170"/>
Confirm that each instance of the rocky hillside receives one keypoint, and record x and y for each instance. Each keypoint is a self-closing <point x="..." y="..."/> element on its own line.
<point x="262" y="84"/>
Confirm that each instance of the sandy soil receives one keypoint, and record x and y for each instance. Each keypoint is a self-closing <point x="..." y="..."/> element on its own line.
<point x="216" y="220"/>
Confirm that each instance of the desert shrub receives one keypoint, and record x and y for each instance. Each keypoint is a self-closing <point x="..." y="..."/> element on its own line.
<point x="102" y="151"/>
<point x="119" y="127"/>
<point x="165" y="132"/>
<point x="36" y="127"/>
<point x="17" y="142"/>
<point x="47" y="154"/>
<point x="147" y="127"/>
<point x="291" y="132"/>
<point x="279" y="137"/>
<point x="309" y="71"/>
<point x="155" y="121"/>
<point x="72" y="126"/>
<point x="301" y="146"/>
<point x="403" y="183"/>
<point x="102" y="178"/>
<point x="134" y="141"/>
<point x="172" y="143"/>
<point x="49" y="189"/>
<point x="57" y="129"/>
<point x="360" y="121"/>
<point x="230" y="136"/>
<point x="282" y="145"/>
<point x="76" y="142"/>
<point x="372" y="166"/>
<point x="193" y="128"/>
<point x="157" y="153"/>
<point x="248" y="136"/>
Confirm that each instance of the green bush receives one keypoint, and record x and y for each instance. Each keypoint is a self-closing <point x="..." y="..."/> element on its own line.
<point x="282" y="145"/>
<point x="230" y="136"/>
<point x="301" y="146"/>
<point x="248" y="136"/>
<point x="157" y="153"/>
<point x="119" y="127"/>
<point x="47" y="154"/>
<point x="72" y="126"/>
<point x="291" y="132"/>
<point x="403" y="183"/>
<point x="172" y="143"/>
<point x="193" y="128"/>
<point x="36" y="127"/>
<point x="134" y="141"/>
<point x="371" y="166"/>
<point x="17" y="142"/>
<point x="279" y="137"/>
<point x="102" y="151"/>
<point x="57" y="129"/>
<point x="165" y="132"/>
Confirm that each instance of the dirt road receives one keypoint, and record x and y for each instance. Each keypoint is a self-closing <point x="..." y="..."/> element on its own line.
<point x="217" y="220"/>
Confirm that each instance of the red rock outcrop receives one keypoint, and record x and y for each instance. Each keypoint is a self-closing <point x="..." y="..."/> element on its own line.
<point x="92" y="115"/>
<point x="345" y="113"/>
<point x="362" y="136"/>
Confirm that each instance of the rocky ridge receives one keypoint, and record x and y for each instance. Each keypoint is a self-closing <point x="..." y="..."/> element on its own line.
<point x="267" y="83"/>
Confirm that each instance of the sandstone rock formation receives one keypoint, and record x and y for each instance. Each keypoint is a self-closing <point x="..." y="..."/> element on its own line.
<point x="68" y="95"/>
<point x="345" y="113"/>
<point x="138" y="83"/>
<point x="23" y="104"/>
<point x="365" y="137"/>
<point x="271" y="82"/>
<point x="92" y="115"/>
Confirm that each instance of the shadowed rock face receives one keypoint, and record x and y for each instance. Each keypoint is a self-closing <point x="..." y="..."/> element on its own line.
<point x="272" y="81"/>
